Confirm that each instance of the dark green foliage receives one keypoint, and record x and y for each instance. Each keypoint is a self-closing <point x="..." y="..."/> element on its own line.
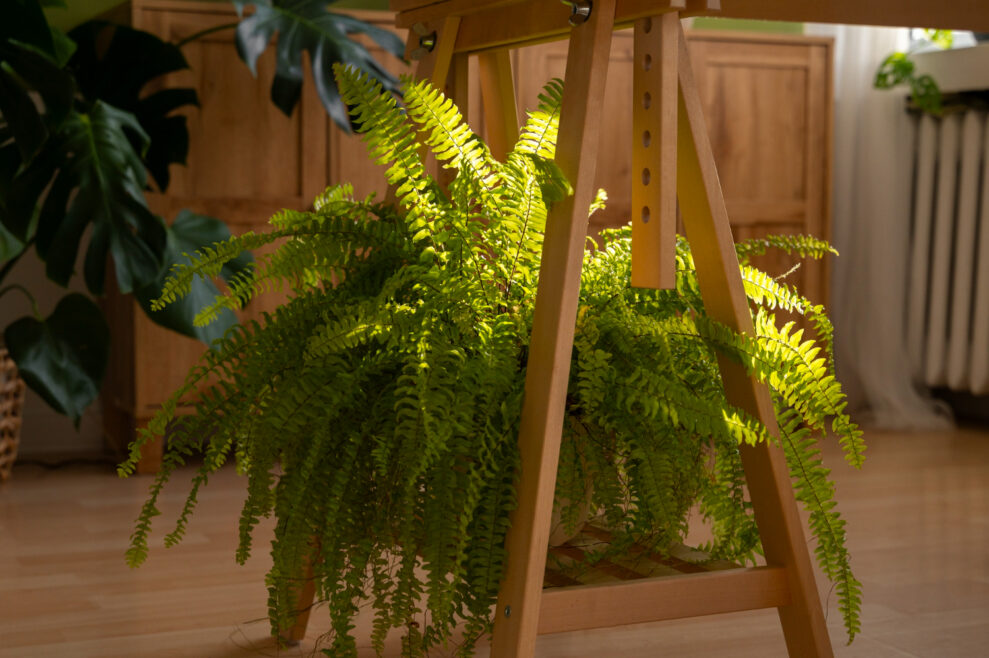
<point x="97" y="178"/>
<point x="375" y="414"/>
<point x="31" y="59"/>
<point x="305" y="26"/>
<point x="76" y="131"/>
<point x="114" y="63"/>
<point x="186" y="234"/>
<point x="62" y="357"/>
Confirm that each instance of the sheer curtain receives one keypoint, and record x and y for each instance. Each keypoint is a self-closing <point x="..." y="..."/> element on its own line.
<point x="870" y="227"/>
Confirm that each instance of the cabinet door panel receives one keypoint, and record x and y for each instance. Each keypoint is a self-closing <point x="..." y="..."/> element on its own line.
<point x="767" y="105"/>
<point x="240" y="143"/>
<point x="766" y="101"/>
<point x="347" y="154"/>
<point x="536" y="65"/>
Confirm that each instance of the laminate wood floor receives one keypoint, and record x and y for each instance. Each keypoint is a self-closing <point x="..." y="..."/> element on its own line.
<point x="918" y="524"/>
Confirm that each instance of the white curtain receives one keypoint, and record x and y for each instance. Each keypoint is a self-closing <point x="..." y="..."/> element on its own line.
<point x="870" y="227"/>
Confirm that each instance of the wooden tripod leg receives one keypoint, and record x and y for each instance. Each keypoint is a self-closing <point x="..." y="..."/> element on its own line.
<point x="434" y="65"/>
<point x="457" y="89"/>
<point x="446" y="71"/>
<point x="517" y="612"/>
<point x="501" y="119"/>
<point x="654" y="147"/>
<point x="705" y="220"/>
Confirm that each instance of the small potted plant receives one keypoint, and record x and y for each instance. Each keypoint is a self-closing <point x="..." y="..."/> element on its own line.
<point x="375" y="414"/>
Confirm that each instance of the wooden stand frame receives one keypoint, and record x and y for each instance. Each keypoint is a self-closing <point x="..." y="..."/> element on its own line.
<point x="671" y="152"/>
<point x="672" y="161"/>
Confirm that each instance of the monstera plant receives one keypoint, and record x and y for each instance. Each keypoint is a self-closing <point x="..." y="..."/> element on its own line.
<point x="79" y="136"/>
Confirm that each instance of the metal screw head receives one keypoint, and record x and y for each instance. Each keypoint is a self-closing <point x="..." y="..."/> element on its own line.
<point x="508" y="611"/>
<point x="427" y="41"/>
<point x="580" y="11"/>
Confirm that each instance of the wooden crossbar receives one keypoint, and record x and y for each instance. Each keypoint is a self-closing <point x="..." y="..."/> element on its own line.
<point x="950" y="14"/>
<point x="667" y="597"/>
<point x="487" y="25"/>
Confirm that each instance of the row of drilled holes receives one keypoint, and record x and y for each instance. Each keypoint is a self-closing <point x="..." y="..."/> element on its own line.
<point x="646" y="136"/>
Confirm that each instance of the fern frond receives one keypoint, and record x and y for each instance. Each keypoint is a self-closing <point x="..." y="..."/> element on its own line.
<point x="801" y="245"/>
<point x="375" y="413"/>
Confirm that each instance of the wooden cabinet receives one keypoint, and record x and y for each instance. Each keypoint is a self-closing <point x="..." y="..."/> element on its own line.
<point x="247" y="160"/>
<point x="768" y="103"/>
<point x="767" y="100"/>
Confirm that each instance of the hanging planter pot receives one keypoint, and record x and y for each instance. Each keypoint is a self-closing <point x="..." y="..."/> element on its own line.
<point x="11" y="407"/>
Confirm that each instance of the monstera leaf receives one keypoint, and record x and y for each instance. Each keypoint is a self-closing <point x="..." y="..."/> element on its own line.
<point x="89" y="174"/>
<point x="63" y="357"/>
<point x="188" y="234"/>
<point x="306" y="25"/>
<point x="10" y="161"/>
<point x="31" y="58"/>
<point x="114" y="64"/>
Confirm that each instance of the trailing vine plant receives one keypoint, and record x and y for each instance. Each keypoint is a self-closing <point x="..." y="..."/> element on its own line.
<point x="375" y="414"/>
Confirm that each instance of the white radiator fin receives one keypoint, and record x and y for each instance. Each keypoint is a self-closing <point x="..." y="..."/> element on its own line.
<point x="980" y="315"/>
<point x="948" y="304"/>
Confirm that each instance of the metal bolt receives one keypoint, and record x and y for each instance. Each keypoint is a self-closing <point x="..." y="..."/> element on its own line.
<point x="508" y="611"/>
<point x="427" y="41"/>
<point x="580" y="11"/>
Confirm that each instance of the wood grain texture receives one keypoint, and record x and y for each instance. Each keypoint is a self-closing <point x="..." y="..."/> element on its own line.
<point x="950" y="14"/>
<point x="957" y="14"/>
<point x="670" y="597"/>
<point x="538" y="21"/>
<point x="535" y="65"/>
<point x="705" y="219"/>
<point x="771" y="141"/>
<point x="551" y="343"/>
<point x="917" y="531"/>
<point x="500" y="105"/>
<point x="767" y="107"/>
<point x="232" y="104"/>
<point x="654" y="151"/>
<point x="247" y="161"/>
<point x="417" y="11"/>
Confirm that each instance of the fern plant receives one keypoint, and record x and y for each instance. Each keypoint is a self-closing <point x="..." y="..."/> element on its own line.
<point x="375" y="414"/>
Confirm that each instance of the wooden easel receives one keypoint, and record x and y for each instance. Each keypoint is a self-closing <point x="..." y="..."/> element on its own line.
<point x="672" y="161"/>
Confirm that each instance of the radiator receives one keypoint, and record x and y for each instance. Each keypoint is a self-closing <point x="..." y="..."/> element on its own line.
<point x="948" y="289"/>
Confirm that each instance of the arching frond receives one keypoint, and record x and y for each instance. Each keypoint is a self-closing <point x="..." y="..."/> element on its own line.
<point x="375" y="413"/>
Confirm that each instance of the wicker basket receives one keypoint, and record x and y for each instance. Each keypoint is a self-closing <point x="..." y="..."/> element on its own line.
<point x="11" y="406"/>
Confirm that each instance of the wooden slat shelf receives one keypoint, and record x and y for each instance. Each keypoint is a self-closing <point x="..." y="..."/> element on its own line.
<point x="643" y="585"/>
<point x="576" y="561"/>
